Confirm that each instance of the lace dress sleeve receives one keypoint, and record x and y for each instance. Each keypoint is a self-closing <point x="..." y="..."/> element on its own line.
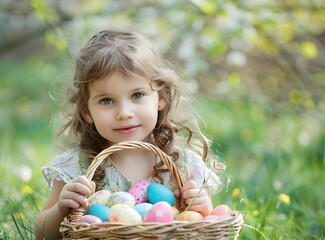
<point x="200" y="173"/>
<point x="63" y="167"/>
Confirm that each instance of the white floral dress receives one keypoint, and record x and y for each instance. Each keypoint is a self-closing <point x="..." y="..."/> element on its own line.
<point x="72" y="163"/>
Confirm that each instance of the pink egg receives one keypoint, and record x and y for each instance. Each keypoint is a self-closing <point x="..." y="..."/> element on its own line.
<point x="139" y="191"/>
<point x="89" y="219"/>
<point x="222" y="210"/>
<point x="159" y="212"/>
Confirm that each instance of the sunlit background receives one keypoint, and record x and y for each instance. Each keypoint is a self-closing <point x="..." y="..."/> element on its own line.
<point x="259" y="69"/>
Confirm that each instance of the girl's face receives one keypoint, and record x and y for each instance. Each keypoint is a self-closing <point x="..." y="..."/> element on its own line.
<point x="123" y="108"/>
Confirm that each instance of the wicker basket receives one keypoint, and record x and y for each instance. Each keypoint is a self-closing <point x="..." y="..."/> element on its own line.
<point x="224" y="228"/>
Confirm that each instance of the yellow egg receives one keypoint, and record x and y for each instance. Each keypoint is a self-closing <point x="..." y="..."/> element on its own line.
<point x="123" y="213"/>
<point x="121" y="198"/>
<point x="99" y="197"/>
<point x="189" y="216"/>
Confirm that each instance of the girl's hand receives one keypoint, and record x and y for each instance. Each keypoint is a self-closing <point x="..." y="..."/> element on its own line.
<point x="202" y="202"/>
<point x="75" y="193"/>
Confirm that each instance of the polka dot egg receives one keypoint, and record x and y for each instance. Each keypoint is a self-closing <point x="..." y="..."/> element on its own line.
<point x="139" y="191"/>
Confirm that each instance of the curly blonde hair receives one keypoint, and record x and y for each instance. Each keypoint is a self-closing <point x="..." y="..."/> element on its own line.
<point x="130" y="53"/>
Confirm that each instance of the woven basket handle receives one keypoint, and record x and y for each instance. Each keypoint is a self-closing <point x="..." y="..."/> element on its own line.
<point x="77" y="213"/>
<point x="135" y="145"/>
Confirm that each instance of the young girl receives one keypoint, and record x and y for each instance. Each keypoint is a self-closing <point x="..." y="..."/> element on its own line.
<point x="122" y="91"/>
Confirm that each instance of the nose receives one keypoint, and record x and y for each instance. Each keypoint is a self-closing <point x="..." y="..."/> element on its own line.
<point x="124" y="112"/>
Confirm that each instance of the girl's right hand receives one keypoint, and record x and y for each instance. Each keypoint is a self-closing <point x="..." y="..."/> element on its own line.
<point x="74" y="194"/>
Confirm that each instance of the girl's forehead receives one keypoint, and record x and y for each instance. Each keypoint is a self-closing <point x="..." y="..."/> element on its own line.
<point x="119" y="79"/>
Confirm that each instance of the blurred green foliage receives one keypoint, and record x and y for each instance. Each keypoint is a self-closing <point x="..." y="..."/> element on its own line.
<point x="259" y="69"/>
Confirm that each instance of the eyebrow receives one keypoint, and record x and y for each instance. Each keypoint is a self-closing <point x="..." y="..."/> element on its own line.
<point x="102" y="95"/>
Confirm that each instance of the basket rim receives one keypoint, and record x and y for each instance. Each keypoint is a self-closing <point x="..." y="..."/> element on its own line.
<point x="230" y="226"/>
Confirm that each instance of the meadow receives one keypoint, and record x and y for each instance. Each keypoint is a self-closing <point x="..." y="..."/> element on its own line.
<point x="274" y="154"/>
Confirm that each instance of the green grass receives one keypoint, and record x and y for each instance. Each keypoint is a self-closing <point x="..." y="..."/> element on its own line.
<point x="274" y="155"/>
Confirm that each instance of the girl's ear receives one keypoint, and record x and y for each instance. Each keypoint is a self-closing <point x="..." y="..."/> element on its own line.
<point x="88" y="117"/>
<point x="161" y="104"/>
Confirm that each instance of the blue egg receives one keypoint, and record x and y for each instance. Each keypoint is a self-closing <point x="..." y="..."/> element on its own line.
<point x="142" y="208"/>
<point x="157" y="192"/>
<point x="99" y="210"/>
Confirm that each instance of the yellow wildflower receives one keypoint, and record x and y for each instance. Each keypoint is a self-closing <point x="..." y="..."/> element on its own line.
<point x="284" y="198"/>
<point x="236" y="193"/>
<point x="26" y="189"/>
<point x="255" y="212"/>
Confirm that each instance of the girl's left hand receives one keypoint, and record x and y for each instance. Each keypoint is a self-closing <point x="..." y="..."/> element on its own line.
<point x="202" y="203"/>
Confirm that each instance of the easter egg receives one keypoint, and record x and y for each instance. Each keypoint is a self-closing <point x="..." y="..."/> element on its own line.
<point x="222" y="210"/>
<point x="157" y="192"/>
<point x="139" y="191"/>
<point x="99" y="210"/>
<point x="159" y="212"/>
<point x="90" y="219"/>
<point x="123" y="213"/>
<point x="189" y="216"/>
<point x="121" y="198"/>
<point x="175" y="211"/>
<point x="99" y="197"/>
<point x="142" y="208"/>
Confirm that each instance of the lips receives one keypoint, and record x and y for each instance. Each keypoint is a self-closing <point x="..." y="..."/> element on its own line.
<point x="127" y="129"/>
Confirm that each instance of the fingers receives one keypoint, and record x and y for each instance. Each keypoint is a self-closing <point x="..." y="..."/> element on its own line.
<point x="194" y="193"/>
<point x="204" y="208"/>
<point x="189" y="185"/>
<point x="75" y="193"/>
<point x="197" y="198"/>
<point x="83" y="185"/>
<point x="73" y="200"/>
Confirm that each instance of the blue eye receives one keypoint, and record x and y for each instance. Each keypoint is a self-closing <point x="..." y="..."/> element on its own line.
<point x="137" y="95"/>
<point x="106" y="101"/>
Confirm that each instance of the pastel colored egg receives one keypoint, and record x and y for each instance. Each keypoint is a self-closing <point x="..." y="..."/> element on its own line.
<point x="90" y="219"/>
<point x="99" y="210"/>
<point x="175" y="211"/>
<point x="142" y="208"/>
<point x="222" y="210"/>
<point x="99" y="197"/>
<point x="159" y="212"/>
<point x="189" y="216"/>
<point x="123" y="213"/>
<point x="121" y="198"/>
<point x="139" y="191"/>
<point x="157" y="192"/>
